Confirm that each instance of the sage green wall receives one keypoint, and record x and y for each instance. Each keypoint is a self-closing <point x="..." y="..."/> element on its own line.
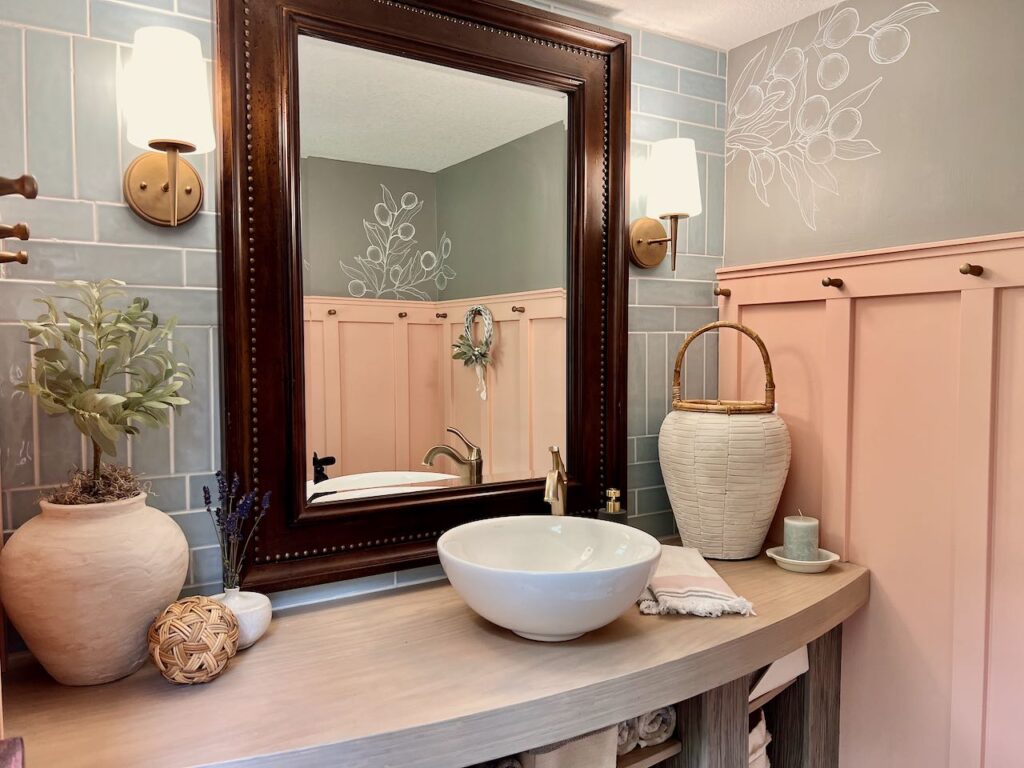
<point x="336" y="197"/>
<point x="946" y="119"/>
<point x="505" y="212"/>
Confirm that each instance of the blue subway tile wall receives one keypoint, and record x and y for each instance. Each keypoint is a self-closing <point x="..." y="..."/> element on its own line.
<point x="58" y="62"/>
<point x="679" y="90"/>
<point x="58" y="66"/>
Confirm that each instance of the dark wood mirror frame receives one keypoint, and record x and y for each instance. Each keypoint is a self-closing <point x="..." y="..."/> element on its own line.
<point x="261" y="310"/>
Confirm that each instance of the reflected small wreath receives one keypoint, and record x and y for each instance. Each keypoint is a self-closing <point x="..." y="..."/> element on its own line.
<point x="471" y="353"/>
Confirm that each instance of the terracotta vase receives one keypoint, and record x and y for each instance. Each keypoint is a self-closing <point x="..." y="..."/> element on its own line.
<point x="82" y="583"/>
<point x="253" y="611"/>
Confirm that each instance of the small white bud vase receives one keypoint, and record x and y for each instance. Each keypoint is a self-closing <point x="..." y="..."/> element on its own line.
<point x="252" y="610"/>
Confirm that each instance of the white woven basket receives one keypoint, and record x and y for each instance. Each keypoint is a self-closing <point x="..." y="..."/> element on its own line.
<point x="725" y="464"/>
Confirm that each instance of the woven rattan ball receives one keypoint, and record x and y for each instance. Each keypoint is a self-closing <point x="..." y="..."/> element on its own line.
<point x="192" y="640"/>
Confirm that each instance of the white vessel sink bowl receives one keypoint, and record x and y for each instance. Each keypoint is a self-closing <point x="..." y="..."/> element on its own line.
<point x="548" y="578"/>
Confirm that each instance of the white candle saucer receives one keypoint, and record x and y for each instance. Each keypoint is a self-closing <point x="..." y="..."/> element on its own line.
<point x="825" y="559"/>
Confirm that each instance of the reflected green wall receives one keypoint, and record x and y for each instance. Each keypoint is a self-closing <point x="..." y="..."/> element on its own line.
<point x="505" y="211"/>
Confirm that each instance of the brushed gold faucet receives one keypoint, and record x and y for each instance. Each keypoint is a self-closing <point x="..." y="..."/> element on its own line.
<point x="556" y="483"/>
<point x="470" y="468"/>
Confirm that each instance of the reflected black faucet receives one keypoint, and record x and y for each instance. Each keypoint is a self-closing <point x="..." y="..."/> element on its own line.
<point x="319" y="473"/>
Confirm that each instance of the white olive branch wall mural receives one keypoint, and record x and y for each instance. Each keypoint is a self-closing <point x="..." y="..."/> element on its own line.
<point x="776" y="126"/>
<point x="390" y="267"/>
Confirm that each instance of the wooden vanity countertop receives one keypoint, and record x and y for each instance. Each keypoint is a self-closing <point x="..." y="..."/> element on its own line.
<point x="414" y="679"/>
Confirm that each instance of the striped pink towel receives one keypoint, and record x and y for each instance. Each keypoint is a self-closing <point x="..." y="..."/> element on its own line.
<point x="685" y="583"/>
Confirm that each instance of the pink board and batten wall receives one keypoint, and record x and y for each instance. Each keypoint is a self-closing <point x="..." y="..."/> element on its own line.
<point x="904" y="394"/>
<point x="381" y="385"/>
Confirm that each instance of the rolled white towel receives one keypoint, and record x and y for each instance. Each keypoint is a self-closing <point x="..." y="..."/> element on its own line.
<point x="758" y="745"/>
<point x="628" y="736"/>
<point x="656" y="727"/>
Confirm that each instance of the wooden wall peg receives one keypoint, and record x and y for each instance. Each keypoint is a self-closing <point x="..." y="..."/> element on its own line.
<point x="19" y="230"/>
<point x="25" y="186"/>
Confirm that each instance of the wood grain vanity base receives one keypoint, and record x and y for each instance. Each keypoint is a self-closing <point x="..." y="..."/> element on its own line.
<point x="415" y="679"/>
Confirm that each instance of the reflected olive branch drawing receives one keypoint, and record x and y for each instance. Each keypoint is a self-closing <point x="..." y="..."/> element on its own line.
<point x="389" y="267"/>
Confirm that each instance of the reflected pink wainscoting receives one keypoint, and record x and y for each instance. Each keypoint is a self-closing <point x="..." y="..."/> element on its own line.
<point x="904" y="394"/>
<point x="381" y="385"/>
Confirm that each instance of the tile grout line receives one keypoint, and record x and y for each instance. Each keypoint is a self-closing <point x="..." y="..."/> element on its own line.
<point x="680" y="67"/>
<point x="706" y="204"/>
<point x="24" y="99"/>
<point x="677" y="92"/>
<point x="213" y="399"/>
<point x="73" y="95"/>
<point x="35" y="424"/>
<point x="144" y="286"/>
<point x="678" y="122"/>
<point x="88" y="36"/>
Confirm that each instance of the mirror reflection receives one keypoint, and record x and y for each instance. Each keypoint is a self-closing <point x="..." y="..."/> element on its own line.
<point x="434" y="252"/>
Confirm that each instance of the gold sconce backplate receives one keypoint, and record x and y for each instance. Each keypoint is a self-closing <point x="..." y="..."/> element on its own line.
<point x="146" y="189"/>
<point x="647" y="243"/>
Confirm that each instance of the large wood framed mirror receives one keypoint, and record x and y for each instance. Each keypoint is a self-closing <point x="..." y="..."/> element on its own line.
<point x="423" y="274"/>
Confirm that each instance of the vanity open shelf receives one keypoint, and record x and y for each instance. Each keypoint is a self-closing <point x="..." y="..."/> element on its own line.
<point x="415" y="678"/>
<point x="648" y="757"/>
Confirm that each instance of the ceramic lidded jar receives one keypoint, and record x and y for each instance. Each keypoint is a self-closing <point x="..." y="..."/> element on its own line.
<point x="82" y="583"/>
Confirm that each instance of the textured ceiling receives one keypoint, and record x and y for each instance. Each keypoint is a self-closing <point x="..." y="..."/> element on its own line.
<point x="369" y="107"/>
<point x="722" y="24"/>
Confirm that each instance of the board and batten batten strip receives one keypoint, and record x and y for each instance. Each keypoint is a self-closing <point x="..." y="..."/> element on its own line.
<point x="972" y="551"/>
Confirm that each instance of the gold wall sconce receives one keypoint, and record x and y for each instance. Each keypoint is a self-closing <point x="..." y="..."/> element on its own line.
<point x="165" y="101"/>
<point x="673" y="193"/>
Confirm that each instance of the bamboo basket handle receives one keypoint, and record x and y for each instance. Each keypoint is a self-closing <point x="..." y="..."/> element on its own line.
<point x="769" y="378"/>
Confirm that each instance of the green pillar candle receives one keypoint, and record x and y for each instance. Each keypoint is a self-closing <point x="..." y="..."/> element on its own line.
<point x="800" y="538"/>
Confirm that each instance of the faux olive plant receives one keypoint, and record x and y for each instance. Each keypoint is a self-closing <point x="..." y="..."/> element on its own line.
<point x="111" y="368"/>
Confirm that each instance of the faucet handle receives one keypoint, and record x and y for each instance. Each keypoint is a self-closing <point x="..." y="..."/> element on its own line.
<point x="557" y="465"/>
<point x="474" y="450"/>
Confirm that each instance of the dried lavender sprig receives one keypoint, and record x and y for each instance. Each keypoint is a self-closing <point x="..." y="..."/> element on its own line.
<point x="264" y="506"/>
<point x="229" y="520"/>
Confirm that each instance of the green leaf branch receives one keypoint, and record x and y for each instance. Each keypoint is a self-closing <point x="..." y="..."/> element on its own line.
<point x="111" y="368"/>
